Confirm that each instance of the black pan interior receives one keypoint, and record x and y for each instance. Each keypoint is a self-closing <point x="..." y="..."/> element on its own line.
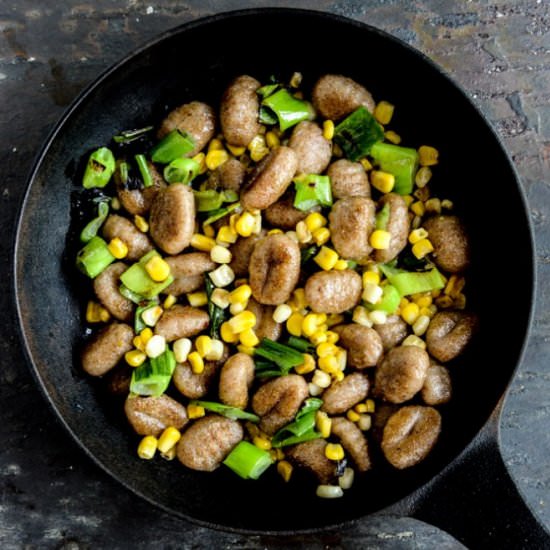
<point x="474" y="172"/>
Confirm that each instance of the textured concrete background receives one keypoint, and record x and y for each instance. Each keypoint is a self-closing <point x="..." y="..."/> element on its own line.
<point x="51" y="495"/>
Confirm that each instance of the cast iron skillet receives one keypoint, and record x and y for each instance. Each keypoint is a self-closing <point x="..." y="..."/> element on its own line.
<point x="463" y="487"/>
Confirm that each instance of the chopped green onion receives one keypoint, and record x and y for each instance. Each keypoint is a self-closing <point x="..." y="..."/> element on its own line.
<point x="132" y="296"/>
<point x="153" y="376"/>
<point x="302" y="429"/>
<point x="219" y="213"/>
<point x="123" y="169"/>
<point x="307" y="253"/>
<point x="389" y="302"/>
<point x="283" y="356"/>
<point x="181" y="171"/>
<point x="141" y="161"/>
<point x="127" y="136"/>
<point x="99" y="169"/>
<point x="267" y="116"/>
<point x="357" y="133"/>
<point x="136" y="278"/>
<point x="267" y="90"/>
<point x="402" y="162"/>
<point x="230" y="196"/>
<point x="94" y="257"/>
<point x="92" y="227"/>
<point x="409" y="282"/>
<point x="139" y="324"/>
<point x="312" y="190"/>
<point x="172" y="146"/>
<point x="383" y="217"/>
<point x="216" y="314"/>
<point x="207" y="200"/>
<point x="248" y="461"/>
<point x="288" y="109"/>
<point x="225" y="410"/>
<point x="299" y="344"/>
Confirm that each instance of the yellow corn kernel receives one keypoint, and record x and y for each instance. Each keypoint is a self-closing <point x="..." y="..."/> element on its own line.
<point x="335" y="319"/>
<point x="202" y="242"/>
<point x="361" y="316"/>
<point x="215" y="145"/>
<point x="334" y="451"/>
<point x="295" y="79"/>
<point x="195" y="411"/>
<point x="326" y="349"/>
<point x="258" y="148"/>
<point x="427" y="156"/>
<point x="196" y="362"/>
<point x="366" y="164"/>
<point x="298" y="300"/>
<point x="275" y="231"/>
<point x="215" y="158"/>
<point x="447" y="204"/>
<point x="281" y="313"/>
<point x="262" y="443"/>
<point x="341" y="265"/>
<point x="454" y="286"/>
<point x="307" y="366"/>
<point x="371" y="277"/>
<point x="248" y="338"/>
<point x="460" y="301"/>
<point x="383" y="112"/>
<point x="141" y="223"/>
<point x="361" y="408"/>
<point x="410" y="313"/>
<point x="323" y="423"/>
<point x="315" y="221"/>
<point x="423" y="176"/>
<point x="321" y="378"/>
<point x="422" y="194"/>
<point x="433" y="206"/>
<point x="424" y="301"/>
<point x="418" y="208"/>
<point x="236" y="151"/>
<point x="303" y="233"/>
<point x="326" y="258"/>
<point x="217" y="351"/>
<point x="135" y="357"/>
<point x="329" y="364"/>
<point x="220" y="255"/>
<point x="294" y="324"/>
<point x="147" y="447"/>
<point x="380" y="239"/>
<point x="321" y="235"/>
<point x="421" y="248"/>
<point x="96" y="313"/>
<point x="392" y="137"/>
<point x="414" y="340"/>
<point x="272" y="140"/>
<point x="169" y="301"/>
<point x="245" y="224"/>
<point x="309" y="324"/>
<point x="227" y="235"/>
<point x="146" y="334"/>
<point x="318" y="337"/>
<point x="409" y="199"/>
<point x="240" y="295"/>
<point x="208" y="230"/>
<point x="203" y="345"/>
<point x="197" y="299"/>
<point x="353" y="416"/>
<point x="328" y="129"/>
<point x="284" y="469"/>
<point x="118" y="248"/>
<point x="139" y="343"/>
<point x="420" y="326"/>
<point x="168" y="439"/>
<point x="417" y="235"/>
<point x="158" y="269"/>
<point x="242" y="322"/>
<point x="199" y="158"/>
<point x="332" y="337"/>
<point x="245" y="349"/>
<point x="170" y="454"/>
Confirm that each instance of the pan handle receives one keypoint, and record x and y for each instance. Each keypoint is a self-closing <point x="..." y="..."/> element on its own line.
<point x="476" y="500"/>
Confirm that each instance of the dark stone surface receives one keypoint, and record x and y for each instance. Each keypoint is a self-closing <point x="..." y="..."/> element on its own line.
<point x="52" y="496"/>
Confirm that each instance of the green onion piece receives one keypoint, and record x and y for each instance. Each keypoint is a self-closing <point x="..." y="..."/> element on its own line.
<point x="383" y="217"/>
<point x="215" y="215"/>
<point x="230" y="196"/>
<point x="283" y="356"/>
<point x="99" y="169"/>
<point x="139" y="325"/>
<point x="144" y="170"/>
<point x="153" y="376"/>
<point x="310" y="404"/>
<point x="413" y="282"/>
<point x="208" y="200"/>
<point x="357" y="133"/>
<point x="351" y="264"/>
<point x="92" y="227"/>
<point x="174" y="145"/>
<point x="389" y="301"/>
<point x="266" y="369"/>
<point x="225" y="410"/>
<point x="248" y="461"/>
<point x="299" y="344"/>
<point x="132" y="296"/>
<point x="267" y="116"/>
<point x="94" y="257"/>
<point x="402" y="162"/>
<point x="181" y="171"/>
<point x="307" y="253"/>
<point x="288" y="109"/>
<point x="302" y="429"/>
<point x="136" y="278"/>
<point x="123" y="169"/>
<point x="216" y="314"/>
<point x="267" y="90"/>
<point x="312" y="190"/>
<point x="127" y="136"/>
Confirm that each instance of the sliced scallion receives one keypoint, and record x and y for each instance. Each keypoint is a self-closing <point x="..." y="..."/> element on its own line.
<point x="299" y="344"/>
<point x="302" y="429"/>
<point x="208" y="200"/>
<point x="146" y="177"/>
<point x="227" y="411"/>
<point x="283" y="356"/>
<point x="288" y="109"/>
<point x="216" y="314"/>
<point x="389" y="302"/>
<point x="383" y="217"/>
<point x="181" y="171"/>
<point x="413" y="282"/>
<point x="312" y="190"/>
<point x="174" y="145"/>
<point x="402" y="162"/>
<point x="99" y="169"/>
<point x="215" y="215"/>
<point x="92" y="227"/>
<point x="132" y="296"/>
<point x="127" y="136"/>
<point x="153" y="376"/>
<point x="94" y="257"/>
<point x="136" y="278"/>
<point x="139" y="324"/>
<point x="248" y="461"/>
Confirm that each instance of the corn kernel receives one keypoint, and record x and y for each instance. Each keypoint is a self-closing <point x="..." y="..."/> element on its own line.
<point x="258" y="148"/>
<point x="323" y="423"/>
<point x="242" y="321"/>
<point x="158" y="269"/>
<point x="292" y="235"/>
<point x="418" y="208"/>
<point x="361" y="316"/>
<point x="334" y="451"/>
<point x="141" y="223"/>
<point x="422" y="194"/>
<point x="326" y="258"/>
<point x="307" y="366"/>
<point x="202" y="242"/>
<point x="284" y="469"/>
<point x="371" y="405"/>
<point x="168" y="439"/>
<point x="146" y="334"/>
<point x="414" y="340"/>
<point x="215" y="158"/>
<point x="335" y="319"/>
<point x="318" y="337"/>
<point x="220" y="255"/>
<point x="416" y="222"/>
<point x="181" y="349"/>
<point x="151" y="315"/>
<point x="135" y="357"/>
<point x="423" y="176"/>
<point x="240" y="295"/>
<point x="275" y="231"/>
<point x="328" y="129"/>
<point x="281" y="313"/>
<point x="139" y="343"/>
<point x="197" y="299"/>
<point x="321" y="236"/>
<point x="380" y="239"/>
<point x="104" y="315"/>
<point x="360" y="408"/>
<point x="220" y="297"/>
<point x="410" y="313"/>
<point x="371" y="277"/>
<point x="341" y="265"/>
<point x="447" y="204"/>
<point x="245" y="349"/>
<point x="227" y="235"/>
<point x="460" y="301"/>
<point x="342" y="357"/>
<point x="392" y="137"/>
<point x="118" y="248"/>
<point x="332" y="337"/>
<point x="262" y="443"/>
<point x="208" y="230"/>
<point x="147" y="447"/>
<point x="433" y="206"/>
<point x="315" y="221"/>
<point x="222" y="276"/>
<point x="329" y="364"/>
<point x="115" y="203"/>
<point x="217" y="351"/>
<point x="314" y="390"/>
<point x="248" y="338"/>
<point x="215" y="145"/>
<point x="345" y="481"/>
<point x="156" y="346"/>
<point x="366" y="164"/>
<point x="309" y="324"/>
<point x="257" y="225"/>
<point x="169" y="301"/>
<point x="272" y="140"/>
<point x="378" y="317"/>
<point x="454" y="286"/>
<point x="245" y="224"/>
<point x="195" y="411"/>
<point x="199" y="158"/>
<point x="422" y="248"/>
<point x="303" y="233"/>
<point x="365" y="422"/>
<point x="383" y="112"/>
<point x="372" y="293"/>
<point x="424" y="301"/>
<point x="352" y="415"/>
<point x="417" y="235"/>
<point x="321" y="379"/>
<point x="235" y="151"/>
<point x="237" y="307"/>
<point x="93" y="312"/>
<point x="170" y="454"/>
<point x="203" y="345"/>
<point x="294" y="324"/>
<point x="420" y="326"/>
<point x="196" y="362"/>
<point x="427" y="156"/>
